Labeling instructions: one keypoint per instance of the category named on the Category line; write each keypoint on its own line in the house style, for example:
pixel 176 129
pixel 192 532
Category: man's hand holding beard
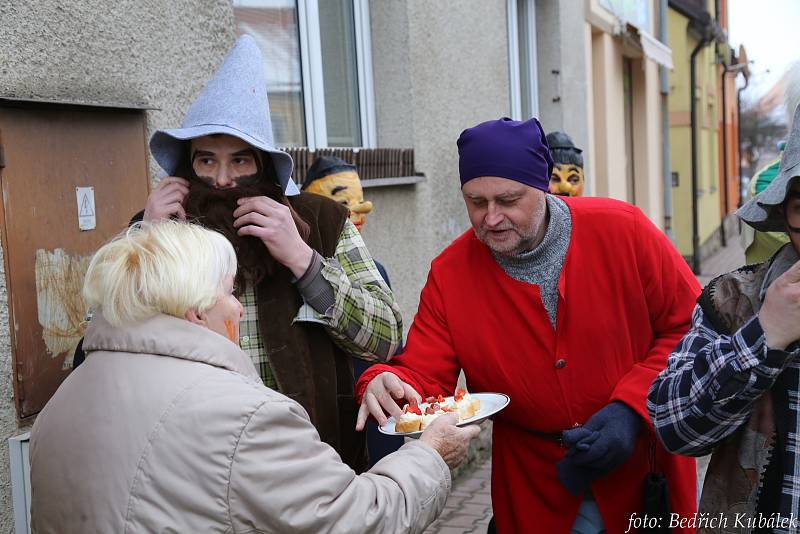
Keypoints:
pixel 272 223
pixel 167 199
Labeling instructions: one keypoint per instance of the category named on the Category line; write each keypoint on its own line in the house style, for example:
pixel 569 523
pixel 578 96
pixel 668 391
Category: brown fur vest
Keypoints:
pixel 307 365
pixel 736 472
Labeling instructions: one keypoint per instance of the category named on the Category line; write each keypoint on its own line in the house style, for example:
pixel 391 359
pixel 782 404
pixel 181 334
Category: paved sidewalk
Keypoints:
pixel 724 260
pixel 469 507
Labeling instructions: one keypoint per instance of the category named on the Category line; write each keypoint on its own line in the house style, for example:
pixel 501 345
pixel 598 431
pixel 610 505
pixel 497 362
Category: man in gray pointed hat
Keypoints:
pixel 732 385
pixel 312 296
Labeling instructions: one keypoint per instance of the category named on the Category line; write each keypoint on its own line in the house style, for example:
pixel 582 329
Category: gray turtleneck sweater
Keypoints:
pixel 542 265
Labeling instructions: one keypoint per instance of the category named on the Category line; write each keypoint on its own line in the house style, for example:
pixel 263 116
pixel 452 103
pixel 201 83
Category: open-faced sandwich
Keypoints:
pixel 417 417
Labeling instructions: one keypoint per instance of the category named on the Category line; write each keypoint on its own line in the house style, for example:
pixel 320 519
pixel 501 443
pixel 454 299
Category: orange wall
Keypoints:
pixel 732 142
pixel 731 130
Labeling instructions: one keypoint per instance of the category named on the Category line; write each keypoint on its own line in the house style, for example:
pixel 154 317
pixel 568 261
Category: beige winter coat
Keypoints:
pixel 166 427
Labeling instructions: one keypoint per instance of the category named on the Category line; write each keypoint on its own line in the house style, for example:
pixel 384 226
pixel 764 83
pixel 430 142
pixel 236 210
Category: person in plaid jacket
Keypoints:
pixel 730 387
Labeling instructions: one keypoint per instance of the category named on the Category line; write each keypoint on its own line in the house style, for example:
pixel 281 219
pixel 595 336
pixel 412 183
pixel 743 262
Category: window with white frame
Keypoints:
pixel 522 69
pixel 317 56
pixel 637 12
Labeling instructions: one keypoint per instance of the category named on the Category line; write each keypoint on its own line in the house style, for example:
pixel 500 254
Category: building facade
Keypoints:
pixel 368 77
pixel 703 126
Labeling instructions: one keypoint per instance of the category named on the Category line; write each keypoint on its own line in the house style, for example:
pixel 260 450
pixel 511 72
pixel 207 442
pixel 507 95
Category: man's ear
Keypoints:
pixel 197 318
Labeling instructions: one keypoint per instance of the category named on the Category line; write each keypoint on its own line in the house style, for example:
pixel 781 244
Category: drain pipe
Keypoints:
pixel 705 40
pixel 726 69
pixel 666 169
pixel 739 134
pixel 724 157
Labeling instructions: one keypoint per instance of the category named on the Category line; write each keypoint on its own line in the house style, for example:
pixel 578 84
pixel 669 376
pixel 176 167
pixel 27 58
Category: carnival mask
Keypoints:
pixel 344 187
pixel 567 180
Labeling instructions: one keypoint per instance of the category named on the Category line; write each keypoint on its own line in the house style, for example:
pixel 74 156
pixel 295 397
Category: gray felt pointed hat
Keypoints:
pixel 233 102
pixel 762 211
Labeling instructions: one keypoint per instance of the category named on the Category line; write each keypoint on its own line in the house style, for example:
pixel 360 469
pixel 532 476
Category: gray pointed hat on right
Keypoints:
pixel 233 102
pixel 763 212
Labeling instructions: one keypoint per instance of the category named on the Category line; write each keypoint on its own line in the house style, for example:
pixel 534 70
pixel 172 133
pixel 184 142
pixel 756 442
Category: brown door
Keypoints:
pixel 49 152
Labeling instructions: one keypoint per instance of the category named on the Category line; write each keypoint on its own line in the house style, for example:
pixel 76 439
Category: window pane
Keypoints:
pixel 637 12
pixel 340 72
pixel 273 24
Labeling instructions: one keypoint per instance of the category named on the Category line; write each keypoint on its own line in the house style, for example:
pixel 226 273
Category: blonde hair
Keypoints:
pixel 163 267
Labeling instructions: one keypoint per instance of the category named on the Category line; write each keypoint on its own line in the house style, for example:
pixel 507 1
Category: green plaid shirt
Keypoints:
pixel 364 321
pixel 250 338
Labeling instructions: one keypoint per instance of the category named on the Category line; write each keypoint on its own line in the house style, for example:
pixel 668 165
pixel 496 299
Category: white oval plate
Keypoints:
pixel 491 403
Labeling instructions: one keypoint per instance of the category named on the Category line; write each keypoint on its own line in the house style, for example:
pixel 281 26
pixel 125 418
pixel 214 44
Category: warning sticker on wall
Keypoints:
pixel 86 211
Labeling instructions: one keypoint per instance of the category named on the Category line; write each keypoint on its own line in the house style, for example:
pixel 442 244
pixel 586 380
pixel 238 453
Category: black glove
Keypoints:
pixel 610 441
pixel 602 444
pixel 575 478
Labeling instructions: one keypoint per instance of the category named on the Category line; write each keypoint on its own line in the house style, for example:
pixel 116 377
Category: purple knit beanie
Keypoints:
pixel 508 149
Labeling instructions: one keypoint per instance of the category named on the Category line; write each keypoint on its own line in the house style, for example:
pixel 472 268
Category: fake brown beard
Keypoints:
pixel 213 208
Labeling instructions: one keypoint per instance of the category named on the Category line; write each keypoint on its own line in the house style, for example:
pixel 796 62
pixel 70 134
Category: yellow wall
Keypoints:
pixel 679 75
pixel 679 150
pixel 708 200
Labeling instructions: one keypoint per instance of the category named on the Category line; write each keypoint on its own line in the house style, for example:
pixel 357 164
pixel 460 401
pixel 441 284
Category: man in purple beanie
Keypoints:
pixel 568 305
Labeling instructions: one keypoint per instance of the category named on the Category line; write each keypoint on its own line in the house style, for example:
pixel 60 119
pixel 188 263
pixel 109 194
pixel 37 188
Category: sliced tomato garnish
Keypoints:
pixel 413 409
pixel 412 406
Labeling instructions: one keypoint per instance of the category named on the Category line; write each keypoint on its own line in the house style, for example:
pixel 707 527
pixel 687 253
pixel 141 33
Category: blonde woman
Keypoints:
pixel 167 427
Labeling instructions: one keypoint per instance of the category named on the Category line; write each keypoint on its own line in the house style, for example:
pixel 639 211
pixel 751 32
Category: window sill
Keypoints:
pixel 376 166
pixel 393 181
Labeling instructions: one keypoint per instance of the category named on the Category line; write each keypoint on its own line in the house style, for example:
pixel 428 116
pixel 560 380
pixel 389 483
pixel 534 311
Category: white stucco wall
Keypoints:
pixel 564 94
pixel 130 53
pixel 435 75
pixel 8 414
